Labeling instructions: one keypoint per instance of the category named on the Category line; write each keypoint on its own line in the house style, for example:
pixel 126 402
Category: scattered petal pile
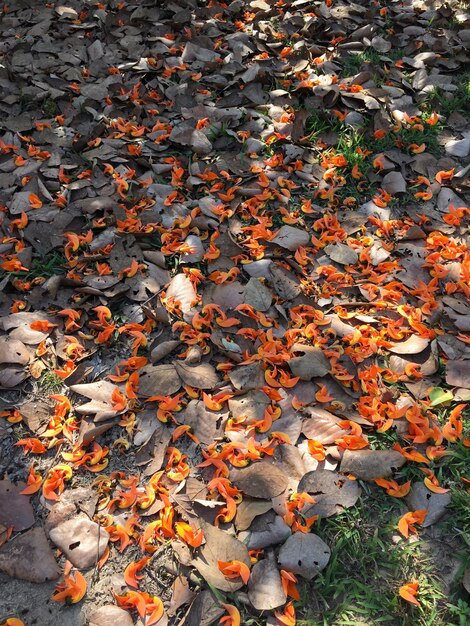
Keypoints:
pixel 235 276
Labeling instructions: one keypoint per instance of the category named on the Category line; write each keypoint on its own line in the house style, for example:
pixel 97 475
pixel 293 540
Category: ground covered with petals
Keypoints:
pixel 234 313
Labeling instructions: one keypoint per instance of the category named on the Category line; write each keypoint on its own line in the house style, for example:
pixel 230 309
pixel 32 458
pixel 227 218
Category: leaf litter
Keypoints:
pixel 240 232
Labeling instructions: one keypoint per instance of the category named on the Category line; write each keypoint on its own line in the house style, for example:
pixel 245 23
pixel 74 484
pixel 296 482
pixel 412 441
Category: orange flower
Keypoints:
pixel 189 535
pixel 316 449
pixel 432 482
pixel 393 488
pixel 32 445
pixel 42 325
pixel 54 485
pixel 148 607
pixel 233 617
pixel 234 569
pixel 444 175
pixel 407 521
pixel 118 400
pixel 72 590
pixel 287 618
pixel 34 482
pixel 288 584
pixel 12 621
pixel 322 395
pixel 131 577
pixel 409 591
pixel 34 201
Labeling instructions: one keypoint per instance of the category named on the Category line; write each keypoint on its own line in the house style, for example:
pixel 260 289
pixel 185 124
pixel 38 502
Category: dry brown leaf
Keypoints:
pixel 110 615
pixel 158 380
pixel 260 480
pixel 219 546
pixel 15 509
pixel 81 540
pixel 458 373
pixel 332 492
pixel 291 238
pixel 370 464
pixel 29 557
pixel 304 554
pixel 257 295
pixel 420 498
pixel 312 364
pixel 13 351
pixel 202 376
pixel 341 253
pixel 265 591
pixel 413 345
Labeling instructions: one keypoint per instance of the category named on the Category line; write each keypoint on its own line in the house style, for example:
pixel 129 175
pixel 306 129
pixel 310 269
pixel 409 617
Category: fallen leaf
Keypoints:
pixel 265 591
pixel 29 557
pixel 15 509
pixel 304 554
pixel 371 464
pixel 219 546
pixel 260 480
pixel 332 492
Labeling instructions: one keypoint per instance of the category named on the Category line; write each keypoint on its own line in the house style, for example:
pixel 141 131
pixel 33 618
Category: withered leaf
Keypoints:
pixel 29 557
pixel 291 238
pixel 413 345
pixel 341 253
pixel 332 492
pixel 421 498
pixel 219 546
pixel 248 509
pixel 257 295
pixel 260 480
pixel 202 376
pixel 312 364
pixel 158 380
pixel 370 464
pixel 458 373
pixel 13 351
pixel 265 591
pixel 15 509
pixel 284 282
pixel 304 554
pixel 82 541
pixel 321 425
pixel 110 615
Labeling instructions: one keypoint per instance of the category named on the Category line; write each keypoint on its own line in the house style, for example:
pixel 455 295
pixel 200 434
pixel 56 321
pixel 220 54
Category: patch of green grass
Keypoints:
pixel 446 103
pixel 352 64
pixel 49 107
pixel 44 266
pixel 50 382
pixel 360 584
